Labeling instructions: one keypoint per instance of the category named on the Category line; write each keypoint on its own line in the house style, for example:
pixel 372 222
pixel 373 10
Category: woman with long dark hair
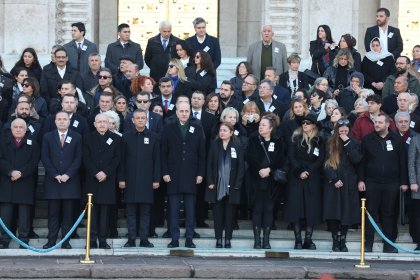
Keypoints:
pixel 341 196
pixel 201 75
pixel 31 88
pixel 306 154
pixel 20 74
pixel 29 61
pixel 243 69
pixel 264 155
pixel 225 173
pixel 184 53
pixel 321 49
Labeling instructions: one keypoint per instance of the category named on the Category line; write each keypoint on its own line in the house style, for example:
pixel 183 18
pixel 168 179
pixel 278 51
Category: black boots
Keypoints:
pixel 219 243
pixel 308 244
pixel 257 238
pixel 336 243
pixel 343 247
pixel 298 236
pixel 266 238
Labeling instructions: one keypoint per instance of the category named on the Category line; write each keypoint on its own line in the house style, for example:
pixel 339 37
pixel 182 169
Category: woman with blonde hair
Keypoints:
pixel 306 156
pixel 250 116
pixel 179 80
pixel 338 75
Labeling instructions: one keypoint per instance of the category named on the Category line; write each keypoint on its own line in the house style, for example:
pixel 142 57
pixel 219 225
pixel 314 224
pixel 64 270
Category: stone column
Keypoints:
pixel 108 19
pixel 228 27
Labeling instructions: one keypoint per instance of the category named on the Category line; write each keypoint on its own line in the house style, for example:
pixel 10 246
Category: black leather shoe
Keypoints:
pixel 146 244
pixel 219 243
pixel 173 244
pixel 66 245
pixel 4 245
pixel 93 245
pixel 189 243
pixel 308 245
pixel 153 234
pixel 75 235
pixel 196 234
pixel 389 249
pixel 167 234
pixel 48 245
pixel 32 235
pixel 104 245
pixel 298 245
pixel 227 243
pixel 368 247
pixel 130 244
pixel 202 225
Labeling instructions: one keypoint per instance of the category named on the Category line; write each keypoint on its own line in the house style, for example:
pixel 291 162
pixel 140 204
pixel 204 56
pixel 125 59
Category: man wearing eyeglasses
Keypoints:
pixel 160 49
pixel 92 95
pixel 402 64
pixel 154 120
pixel 266 102
pixel 249 89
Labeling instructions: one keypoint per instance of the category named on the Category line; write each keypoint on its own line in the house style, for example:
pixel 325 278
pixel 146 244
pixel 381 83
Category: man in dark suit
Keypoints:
pixel 79 48
pixel 101 157
pixel 266 101
pixel 19 158
pixel 390 37
pixel 106 103
pixel 154 120
pixel 166 97
pixel 203 41
pixel 61 156
pixel 159 50
pixel 69 105
pixel 51 77
pixel 67 87
pixel 228 96
pixel 123 46
pixel 183 167
pixel 140 175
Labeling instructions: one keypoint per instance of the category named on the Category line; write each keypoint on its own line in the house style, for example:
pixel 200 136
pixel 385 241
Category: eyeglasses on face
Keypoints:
pixel 171 66
pixel 103 77
pixel 142 101
pixel 197 56
pixel 26 85
pixel 307 122
pixel 250 84
pixel 343 122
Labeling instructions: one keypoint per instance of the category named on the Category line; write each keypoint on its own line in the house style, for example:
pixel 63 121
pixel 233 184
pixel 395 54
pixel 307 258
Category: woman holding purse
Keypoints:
pixel 225 173
pixel 264 156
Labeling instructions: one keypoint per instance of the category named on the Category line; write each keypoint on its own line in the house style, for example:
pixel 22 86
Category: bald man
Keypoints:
pixel 19 156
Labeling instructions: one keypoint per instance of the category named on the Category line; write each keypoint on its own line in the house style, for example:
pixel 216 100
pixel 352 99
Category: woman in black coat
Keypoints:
pixel 341 196
pixel 264 155
pixel 321 49
pixel 306 156
pixel 377 65
pixel 225 172
pixel 29 60
pixel 347 41
pixel 201 75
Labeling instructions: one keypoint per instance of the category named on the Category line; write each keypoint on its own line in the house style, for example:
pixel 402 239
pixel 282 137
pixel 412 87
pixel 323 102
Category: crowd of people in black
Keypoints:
pixel 312 142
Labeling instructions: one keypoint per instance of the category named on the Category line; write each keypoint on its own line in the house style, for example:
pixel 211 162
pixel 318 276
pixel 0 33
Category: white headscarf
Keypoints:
pixel 375 56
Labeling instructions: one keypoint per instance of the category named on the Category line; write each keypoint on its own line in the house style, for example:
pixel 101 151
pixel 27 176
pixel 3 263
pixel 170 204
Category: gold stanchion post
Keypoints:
pixel 362 263
pixel 87 259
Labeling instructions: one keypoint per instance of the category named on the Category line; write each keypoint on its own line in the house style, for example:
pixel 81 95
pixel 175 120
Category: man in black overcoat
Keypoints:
pixel 183 168
pixel 19 158
pixel 101 158
pixel 139 175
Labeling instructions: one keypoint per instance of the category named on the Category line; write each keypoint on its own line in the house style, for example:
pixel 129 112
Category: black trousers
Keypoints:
pixel 100 222
pixel 415 209
pixel 132 220
pixel 60 210
pixel 224 218
pixel 262 210
pixel 381 199
pixel 201 206
pixel 174 207
pixel 7 214
pixel 157 217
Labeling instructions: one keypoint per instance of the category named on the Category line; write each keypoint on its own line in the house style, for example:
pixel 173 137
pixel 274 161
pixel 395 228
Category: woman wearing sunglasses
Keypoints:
pixel 306 153
pixel 341 196
pixel 30 87
pixel 201 75
pixel 177 74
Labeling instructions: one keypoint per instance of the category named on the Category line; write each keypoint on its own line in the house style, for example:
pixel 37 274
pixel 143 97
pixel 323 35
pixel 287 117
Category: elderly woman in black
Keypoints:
pixel 225 172
pixel 264 155
pixel 306 156
pixel 341 196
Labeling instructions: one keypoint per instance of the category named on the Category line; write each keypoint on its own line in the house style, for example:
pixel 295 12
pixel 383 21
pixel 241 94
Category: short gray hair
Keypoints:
pixel 113 115
pixel 227 111
pixel 269 82
pixel 198 20
pixel 399 115
pixel 331 101
pixel 165 23
pixel 363 101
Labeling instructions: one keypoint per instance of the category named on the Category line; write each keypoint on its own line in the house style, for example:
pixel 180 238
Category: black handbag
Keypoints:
pixel 279 175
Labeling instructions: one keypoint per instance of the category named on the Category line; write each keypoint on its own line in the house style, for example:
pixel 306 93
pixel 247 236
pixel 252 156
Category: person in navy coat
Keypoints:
pixel 101 158
pixel 61 155
pixel 139 176
pixel 183 168
pixel 19 156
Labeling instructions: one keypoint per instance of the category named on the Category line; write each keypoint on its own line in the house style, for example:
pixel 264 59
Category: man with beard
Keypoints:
pixel 22 111
pixel 228 97
pixel 390 37
pixel 402 64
